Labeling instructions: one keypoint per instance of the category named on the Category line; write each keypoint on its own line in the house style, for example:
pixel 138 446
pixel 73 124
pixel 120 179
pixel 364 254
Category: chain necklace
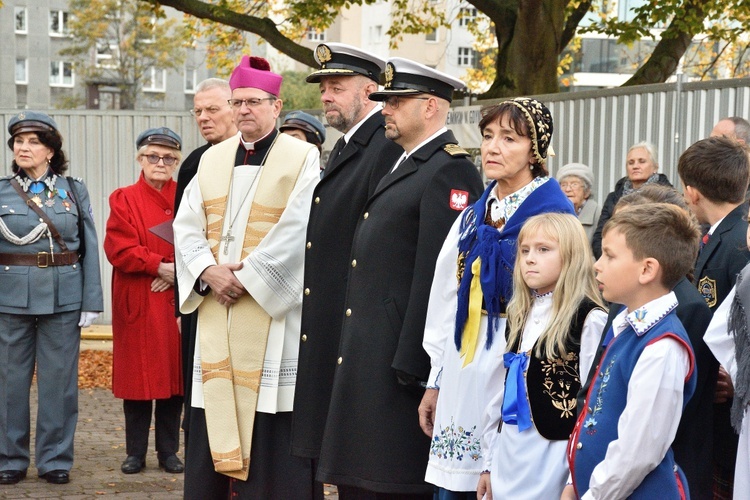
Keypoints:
pixel 227 237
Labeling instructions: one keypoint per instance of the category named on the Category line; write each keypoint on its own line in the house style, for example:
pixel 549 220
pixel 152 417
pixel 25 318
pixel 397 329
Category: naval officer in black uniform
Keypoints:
pixel 346 77
pixel 372 445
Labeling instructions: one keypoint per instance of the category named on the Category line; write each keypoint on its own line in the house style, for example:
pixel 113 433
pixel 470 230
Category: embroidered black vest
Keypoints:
pixel 552 385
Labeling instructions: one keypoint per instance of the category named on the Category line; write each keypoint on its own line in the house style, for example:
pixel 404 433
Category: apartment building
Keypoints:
pixel 34 31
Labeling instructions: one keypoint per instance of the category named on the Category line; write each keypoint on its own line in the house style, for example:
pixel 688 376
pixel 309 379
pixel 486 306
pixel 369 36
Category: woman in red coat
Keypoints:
pixel 147 359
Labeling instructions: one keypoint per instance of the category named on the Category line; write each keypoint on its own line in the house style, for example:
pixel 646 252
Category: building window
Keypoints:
pixel 61 74
pixel 22 71
pixel 432 36
pixel 314 35
pixel 467 57
pixel 107 54
pixel 155 80
pixel 467 16
pixel 21 25
pixel 190 81
pixel 376 34
pixel 58 23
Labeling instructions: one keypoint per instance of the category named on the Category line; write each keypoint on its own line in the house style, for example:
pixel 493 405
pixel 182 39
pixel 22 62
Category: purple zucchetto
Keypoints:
pixel 255 72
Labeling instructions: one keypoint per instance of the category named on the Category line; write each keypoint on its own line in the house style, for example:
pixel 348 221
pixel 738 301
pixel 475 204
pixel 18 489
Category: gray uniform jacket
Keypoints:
pixel 37 290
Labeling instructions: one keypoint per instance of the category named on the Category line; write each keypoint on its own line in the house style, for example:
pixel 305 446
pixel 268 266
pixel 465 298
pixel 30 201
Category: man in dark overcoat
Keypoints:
pixel 214 118
pixel 346 77
pixel 372 445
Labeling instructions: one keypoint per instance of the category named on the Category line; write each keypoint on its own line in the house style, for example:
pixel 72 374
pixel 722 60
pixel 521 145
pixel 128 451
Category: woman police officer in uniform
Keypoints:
pixel 48 291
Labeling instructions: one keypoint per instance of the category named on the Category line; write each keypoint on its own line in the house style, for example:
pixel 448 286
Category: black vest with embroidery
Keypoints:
pixel 552 385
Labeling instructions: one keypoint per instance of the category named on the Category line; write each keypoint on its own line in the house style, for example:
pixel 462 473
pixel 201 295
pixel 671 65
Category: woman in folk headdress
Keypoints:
pixel 464 333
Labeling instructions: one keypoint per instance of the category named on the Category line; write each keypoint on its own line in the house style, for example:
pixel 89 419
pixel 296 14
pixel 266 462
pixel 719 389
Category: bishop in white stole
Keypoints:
pixel 247 353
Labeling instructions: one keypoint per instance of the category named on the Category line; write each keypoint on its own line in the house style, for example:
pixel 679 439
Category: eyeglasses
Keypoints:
pixel 154 159
pixel 212 110
pixel 395 100
pixel 571 185
pixel 253 102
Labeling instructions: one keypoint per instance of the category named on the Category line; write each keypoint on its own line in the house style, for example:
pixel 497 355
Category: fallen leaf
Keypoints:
pixel 95 369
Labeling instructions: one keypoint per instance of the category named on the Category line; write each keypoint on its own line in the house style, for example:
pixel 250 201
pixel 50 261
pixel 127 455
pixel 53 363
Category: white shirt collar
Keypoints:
pixel 714 226
pixel 646 316
pixel 250 146
pixel 405 155
pixel 377 109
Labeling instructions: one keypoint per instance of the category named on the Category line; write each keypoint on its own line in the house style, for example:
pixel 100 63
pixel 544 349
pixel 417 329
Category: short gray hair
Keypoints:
pixel 213 83
pixel 650 148
pixel 741 128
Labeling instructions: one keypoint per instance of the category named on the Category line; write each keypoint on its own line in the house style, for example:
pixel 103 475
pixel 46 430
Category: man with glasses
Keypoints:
pixel 372 445
pixel 239 240
pixel 214 118
pixel 346 77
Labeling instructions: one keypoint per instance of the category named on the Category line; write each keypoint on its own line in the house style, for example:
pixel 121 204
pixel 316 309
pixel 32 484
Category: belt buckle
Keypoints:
pixel 39 259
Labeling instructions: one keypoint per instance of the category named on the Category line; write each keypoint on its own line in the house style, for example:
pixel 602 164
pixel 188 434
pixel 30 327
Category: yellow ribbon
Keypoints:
pixel 470 334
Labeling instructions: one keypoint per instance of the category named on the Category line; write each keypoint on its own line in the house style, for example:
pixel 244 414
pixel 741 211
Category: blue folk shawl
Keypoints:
pixel 498 251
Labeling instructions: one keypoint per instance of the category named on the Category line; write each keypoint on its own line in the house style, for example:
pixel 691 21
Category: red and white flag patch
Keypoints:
pixel 459 199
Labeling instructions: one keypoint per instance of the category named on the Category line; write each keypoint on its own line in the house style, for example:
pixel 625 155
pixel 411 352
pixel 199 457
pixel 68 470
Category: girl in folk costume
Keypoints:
pixel 472 285
pixel 555 320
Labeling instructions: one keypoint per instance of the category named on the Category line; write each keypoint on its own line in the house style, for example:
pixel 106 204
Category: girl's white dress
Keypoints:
pixel 524 464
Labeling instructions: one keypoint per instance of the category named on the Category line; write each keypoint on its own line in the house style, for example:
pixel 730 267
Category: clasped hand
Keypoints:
pixel 165 280
pixel 225 287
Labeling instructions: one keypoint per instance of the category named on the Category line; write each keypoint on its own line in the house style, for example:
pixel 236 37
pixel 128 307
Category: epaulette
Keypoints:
pixel 455 150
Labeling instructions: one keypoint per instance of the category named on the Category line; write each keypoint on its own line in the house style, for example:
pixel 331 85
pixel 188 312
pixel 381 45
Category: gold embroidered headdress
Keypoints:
pixel 539 121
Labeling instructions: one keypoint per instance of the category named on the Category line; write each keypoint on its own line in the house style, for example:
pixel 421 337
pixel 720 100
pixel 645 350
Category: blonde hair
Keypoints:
pixel 575 283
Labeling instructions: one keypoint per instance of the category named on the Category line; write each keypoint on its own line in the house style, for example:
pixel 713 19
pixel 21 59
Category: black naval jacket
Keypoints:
pixel 372 438
pixel 336 207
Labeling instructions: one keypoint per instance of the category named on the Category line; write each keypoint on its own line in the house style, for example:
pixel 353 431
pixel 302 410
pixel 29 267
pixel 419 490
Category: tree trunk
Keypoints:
pixel 528 49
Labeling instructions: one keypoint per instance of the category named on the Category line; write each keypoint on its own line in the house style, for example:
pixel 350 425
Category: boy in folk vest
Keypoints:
pixel 620 447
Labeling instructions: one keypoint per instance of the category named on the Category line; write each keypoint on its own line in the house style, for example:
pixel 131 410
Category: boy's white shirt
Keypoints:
pixel 649 422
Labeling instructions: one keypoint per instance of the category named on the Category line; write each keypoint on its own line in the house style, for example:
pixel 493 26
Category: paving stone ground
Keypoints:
pixel 99 451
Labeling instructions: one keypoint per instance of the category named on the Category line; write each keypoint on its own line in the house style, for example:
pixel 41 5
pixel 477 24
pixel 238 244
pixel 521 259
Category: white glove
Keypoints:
pixel 87 318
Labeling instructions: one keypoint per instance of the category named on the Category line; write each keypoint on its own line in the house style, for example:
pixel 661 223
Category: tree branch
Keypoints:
pixel 674 42
pixel 263 27
pixel 572 22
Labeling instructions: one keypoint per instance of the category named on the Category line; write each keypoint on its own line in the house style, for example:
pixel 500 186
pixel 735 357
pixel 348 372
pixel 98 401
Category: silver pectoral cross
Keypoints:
pixel 226 239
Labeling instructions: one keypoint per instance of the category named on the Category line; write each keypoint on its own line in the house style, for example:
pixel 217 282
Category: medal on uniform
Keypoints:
pixel 63 194
pixel 50 199
pixel 36 188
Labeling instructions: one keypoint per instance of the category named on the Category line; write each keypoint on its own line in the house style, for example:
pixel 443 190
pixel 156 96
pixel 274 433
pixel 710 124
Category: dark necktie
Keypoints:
pixel 336 150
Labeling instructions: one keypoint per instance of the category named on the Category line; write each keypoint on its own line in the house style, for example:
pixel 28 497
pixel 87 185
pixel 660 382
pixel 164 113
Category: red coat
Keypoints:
pixel 147 357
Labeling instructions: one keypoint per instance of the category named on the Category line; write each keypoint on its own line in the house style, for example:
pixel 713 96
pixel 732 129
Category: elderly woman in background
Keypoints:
pixel 304 127
pixel 576 181
pixel 642 169
pixel 146 349
pixel 50 288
